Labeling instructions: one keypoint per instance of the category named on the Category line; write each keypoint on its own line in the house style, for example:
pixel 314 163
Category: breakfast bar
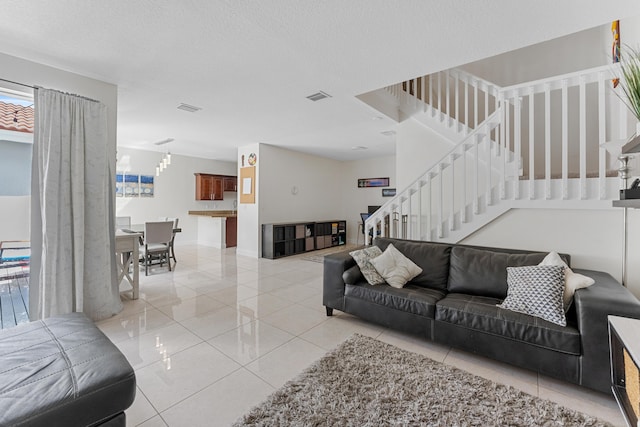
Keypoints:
pixel 217 228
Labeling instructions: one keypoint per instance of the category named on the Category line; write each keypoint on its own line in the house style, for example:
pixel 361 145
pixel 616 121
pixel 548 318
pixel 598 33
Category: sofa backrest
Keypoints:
pixel 432 258
pixel 483 271
pixel 475 270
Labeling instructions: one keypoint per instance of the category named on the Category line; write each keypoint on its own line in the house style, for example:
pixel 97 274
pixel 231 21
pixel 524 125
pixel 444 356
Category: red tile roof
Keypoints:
pixel 24 116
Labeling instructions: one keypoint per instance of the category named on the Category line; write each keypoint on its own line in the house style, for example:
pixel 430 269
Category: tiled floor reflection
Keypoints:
pixel 218 334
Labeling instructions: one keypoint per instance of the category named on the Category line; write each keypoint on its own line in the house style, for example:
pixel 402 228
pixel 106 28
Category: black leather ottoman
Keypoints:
pixel 63 371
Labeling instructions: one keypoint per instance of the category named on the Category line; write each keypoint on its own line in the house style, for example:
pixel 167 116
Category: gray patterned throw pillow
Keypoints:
pixel 363 257
pixel 537 291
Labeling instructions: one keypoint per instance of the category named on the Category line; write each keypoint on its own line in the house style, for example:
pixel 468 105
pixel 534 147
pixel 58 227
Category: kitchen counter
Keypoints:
pixel 215 214
pixel 217 228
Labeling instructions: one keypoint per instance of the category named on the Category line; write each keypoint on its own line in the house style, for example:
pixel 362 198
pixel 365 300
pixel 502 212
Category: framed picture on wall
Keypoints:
pixel 388 192
pixel 146 185
pixel 119 185
pixel 131 185
pixel 373 182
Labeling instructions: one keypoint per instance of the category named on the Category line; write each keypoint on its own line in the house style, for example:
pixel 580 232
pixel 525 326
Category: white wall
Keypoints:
pixel 355 200
pixel 579 51
pixel 586 49
pixel 249 229
pixel 174 192
pixel 317 180
pixel 14 217
pixel 417 149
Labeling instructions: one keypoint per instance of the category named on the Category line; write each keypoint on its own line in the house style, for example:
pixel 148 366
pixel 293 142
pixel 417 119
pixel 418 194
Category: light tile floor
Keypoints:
pixel 221 332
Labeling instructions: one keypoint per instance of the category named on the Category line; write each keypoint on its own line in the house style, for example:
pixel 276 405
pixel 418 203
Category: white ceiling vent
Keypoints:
pixel 164 141
pixel 189 108
pixel 318 96
pixel 388 132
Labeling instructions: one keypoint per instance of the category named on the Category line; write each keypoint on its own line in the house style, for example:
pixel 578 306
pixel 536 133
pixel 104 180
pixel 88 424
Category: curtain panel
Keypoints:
pixel 72 230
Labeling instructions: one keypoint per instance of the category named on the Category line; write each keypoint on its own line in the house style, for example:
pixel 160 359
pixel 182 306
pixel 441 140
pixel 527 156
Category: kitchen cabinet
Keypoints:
pixel 231 232
pixel 230 183
pixel 211 187
pixel 208 187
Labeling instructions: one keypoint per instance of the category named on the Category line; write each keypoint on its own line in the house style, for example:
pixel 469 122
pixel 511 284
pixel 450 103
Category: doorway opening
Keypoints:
pixel 16 144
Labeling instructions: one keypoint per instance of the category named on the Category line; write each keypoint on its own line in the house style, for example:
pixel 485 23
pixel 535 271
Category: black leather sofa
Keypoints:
pixel 453 302
pixel 63 371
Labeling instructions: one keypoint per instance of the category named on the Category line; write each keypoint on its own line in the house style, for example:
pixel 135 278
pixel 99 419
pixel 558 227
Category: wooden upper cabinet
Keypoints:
pixel 211 187
pixel 230 183
pixel 208 187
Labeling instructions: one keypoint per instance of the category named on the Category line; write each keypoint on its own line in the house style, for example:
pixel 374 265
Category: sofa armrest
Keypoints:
pixel 352 275
pixel 333 283
pixel 593 304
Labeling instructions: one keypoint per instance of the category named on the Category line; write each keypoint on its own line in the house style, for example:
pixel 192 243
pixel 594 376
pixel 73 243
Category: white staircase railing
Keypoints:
pixel 541 141
pixel 459 100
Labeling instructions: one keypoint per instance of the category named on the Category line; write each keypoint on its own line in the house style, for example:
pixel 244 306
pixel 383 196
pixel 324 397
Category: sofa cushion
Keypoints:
pixel 484 272
pixel 572 281
pixel 432 258
pixel 412 299
pixel 396 268
pixel 482 314
pixel 536 290
pixel 62 371
pixel 363 258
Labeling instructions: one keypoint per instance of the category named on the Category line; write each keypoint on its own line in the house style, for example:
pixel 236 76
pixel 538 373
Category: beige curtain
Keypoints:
pixel 72 231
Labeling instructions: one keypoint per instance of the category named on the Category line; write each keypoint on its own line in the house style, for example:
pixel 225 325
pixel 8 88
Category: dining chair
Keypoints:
pixel 157 240
pixel 123 222
pixel 173 237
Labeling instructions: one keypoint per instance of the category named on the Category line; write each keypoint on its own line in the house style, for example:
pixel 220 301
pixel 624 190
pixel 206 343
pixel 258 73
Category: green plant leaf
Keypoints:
pixel 630 82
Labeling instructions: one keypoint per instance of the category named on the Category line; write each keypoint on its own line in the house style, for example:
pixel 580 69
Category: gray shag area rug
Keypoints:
pixel 365 382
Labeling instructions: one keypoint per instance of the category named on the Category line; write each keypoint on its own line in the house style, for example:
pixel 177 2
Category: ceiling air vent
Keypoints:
pixel 388 132
pixel 188 108
pixel 318 96
pixel 164 141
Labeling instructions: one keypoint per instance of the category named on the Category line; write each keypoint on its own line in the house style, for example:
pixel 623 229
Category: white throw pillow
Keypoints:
pixel 363 258
pixel 572 281
pixel 396 268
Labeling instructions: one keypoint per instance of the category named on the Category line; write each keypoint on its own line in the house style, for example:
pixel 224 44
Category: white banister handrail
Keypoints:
pixel 474 80
pixel 591 75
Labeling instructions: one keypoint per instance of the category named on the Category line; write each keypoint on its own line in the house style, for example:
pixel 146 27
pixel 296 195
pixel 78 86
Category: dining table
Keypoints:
pixel 128 241
pixel 127 259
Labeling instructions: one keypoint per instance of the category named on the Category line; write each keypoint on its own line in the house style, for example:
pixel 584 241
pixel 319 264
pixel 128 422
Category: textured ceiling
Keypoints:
pixel 250 64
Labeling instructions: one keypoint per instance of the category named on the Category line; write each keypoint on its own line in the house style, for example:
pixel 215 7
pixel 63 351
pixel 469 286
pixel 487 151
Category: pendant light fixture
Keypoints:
pixel 166 159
